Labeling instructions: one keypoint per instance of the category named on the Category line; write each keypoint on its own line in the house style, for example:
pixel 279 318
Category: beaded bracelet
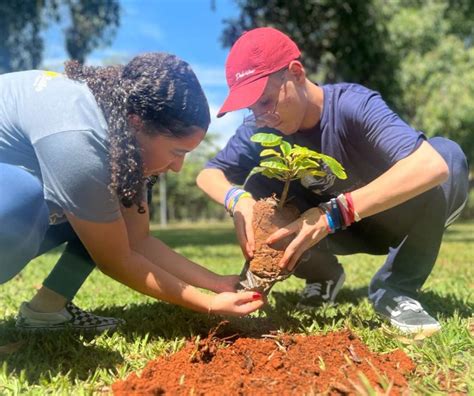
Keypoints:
pixel 339 212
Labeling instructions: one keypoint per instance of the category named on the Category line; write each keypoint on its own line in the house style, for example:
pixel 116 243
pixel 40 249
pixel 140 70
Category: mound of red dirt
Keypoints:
pixel 271 365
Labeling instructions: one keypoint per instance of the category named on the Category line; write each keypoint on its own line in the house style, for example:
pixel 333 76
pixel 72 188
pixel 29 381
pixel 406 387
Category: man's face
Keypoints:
pixel 283 103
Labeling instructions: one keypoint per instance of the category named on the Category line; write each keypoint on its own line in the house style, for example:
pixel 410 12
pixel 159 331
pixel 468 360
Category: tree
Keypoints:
pixel 339 39
pixel 436 73
pixel 92 23
pixel 184 200
pixel 417 53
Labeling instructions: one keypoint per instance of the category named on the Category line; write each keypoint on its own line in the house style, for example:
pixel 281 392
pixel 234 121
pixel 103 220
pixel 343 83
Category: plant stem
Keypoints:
pixel 284 194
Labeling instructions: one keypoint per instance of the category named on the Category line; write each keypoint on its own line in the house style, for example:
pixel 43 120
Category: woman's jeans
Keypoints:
pixel 26 234
pixel 409 233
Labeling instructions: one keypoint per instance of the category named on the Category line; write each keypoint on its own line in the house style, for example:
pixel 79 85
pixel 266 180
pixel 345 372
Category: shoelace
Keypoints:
pixel 404 304
pixel 313 289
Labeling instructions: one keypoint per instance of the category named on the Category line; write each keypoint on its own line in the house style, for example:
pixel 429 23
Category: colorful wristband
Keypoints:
pixel 241 195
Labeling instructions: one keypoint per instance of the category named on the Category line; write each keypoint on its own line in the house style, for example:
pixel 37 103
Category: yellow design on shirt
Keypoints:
pixel 42 80
pixel 51 73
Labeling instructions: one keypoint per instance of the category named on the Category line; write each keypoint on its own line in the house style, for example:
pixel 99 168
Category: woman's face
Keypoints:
pixel 163 153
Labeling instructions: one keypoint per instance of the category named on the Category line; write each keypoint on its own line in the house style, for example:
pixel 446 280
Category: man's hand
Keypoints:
pixel 243 216
pixel 310 228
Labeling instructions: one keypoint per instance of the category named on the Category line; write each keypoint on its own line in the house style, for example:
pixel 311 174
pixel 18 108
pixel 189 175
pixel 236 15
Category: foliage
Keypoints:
pixel 93 23
pixel 292 162
pixel 339 39
pixel 184 200
pixel 73 364
pixel 436 74
pixel 418 54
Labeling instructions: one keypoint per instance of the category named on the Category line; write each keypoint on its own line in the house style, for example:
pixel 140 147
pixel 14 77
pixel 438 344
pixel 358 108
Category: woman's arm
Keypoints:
pixel 109 246
pixel 161 255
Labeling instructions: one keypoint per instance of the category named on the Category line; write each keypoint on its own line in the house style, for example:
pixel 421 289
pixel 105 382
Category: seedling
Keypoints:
pixel 287 163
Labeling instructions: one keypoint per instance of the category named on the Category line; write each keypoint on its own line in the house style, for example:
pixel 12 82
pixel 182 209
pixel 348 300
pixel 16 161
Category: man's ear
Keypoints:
pixel 297 71
pixel 135 122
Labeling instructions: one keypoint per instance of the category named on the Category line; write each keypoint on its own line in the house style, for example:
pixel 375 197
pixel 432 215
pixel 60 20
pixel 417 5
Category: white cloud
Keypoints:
pixel 150 31
pixel 225 126
pixel 210 76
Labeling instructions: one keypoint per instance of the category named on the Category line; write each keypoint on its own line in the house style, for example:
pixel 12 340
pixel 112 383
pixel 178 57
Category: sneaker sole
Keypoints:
pixel 426 330
pixel 67 328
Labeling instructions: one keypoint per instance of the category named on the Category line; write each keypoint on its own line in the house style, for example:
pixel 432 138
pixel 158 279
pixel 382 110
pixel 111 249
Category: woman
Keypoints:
pixel 75 155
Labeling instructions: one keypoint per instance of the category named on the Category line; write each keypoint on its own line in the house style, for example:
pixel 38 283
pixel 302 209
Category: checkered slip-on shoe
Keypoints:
pixel 70 317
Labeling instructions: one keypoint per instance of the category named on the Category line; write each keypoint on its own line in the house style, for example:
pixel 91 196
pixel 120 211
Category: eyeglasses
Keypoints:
pixel 268 118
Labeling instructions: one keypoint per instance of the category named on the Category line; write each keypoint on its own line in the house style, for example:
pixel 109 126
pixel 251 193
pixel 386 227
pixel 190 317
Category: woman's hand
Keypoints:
pixel 226 283
pixel 236 304
pixel 243 216
pixel 310 228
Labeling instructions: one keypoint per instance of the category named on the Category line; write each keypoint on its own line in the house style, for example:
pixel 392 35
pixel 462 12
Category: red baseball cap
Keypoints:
pixel 254 56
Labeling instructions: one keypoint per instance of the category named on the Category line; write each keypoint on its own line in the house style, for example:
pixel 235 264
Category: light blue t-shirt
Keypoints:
pixel 52 127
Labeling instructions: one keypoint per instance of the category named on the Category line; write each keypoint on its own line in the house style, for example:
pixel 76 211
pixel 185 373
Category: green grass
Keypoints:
pixel 66 363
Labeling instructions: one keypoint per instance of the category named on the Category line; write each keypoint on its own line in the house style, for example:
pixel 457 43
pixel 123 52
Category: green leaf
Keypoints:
pixel 269 152
pixel 266 139
pixel 299 151
pixel 312 172
pixel 305 163
pixel 334 165
pixel 317 173
pixel 272 164
pixel 254 171
pixel 271 174
pixel 285 148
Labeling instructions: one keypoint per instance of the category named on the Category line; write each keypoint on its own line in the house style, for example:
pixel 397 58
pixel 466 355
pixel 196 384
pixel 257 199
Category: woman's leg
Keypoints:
pixel 74 265
pixel 23 219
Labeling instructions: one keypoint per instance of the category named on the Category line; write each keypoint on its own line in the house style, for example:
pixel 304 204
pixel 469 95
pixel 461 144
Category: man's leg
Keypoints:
pixel 394 288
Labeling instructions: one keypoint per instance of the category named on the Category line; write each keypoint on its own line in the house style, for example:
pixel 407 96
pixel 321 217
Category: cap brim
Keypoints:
pixel 243 96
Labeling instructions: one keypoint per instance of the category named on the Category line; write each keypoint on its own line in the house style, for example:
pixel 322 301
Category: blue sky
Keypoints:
pixel 187 28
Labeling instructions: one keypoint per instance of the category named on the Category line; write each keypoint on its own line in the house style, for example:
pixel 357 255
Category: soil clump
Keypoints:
pixel 337 363
pixel 261 273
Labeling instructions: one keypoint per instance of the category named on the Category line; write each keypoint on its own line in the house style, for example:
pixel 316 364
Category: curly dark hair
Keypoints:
pixel 163 91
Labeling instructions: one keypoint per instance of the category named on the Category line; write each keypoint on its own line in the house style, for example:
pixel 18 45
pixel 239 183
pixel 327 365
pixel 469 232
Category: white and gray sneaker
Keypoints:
pixel 70 317
pixel 408 316
pixel 324 291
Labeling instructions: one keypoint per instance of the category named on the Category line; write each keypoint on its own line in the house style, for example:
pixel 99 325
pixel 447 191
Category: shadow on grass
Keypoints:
pixel 55 353
pixel 446 305
pixel 77 356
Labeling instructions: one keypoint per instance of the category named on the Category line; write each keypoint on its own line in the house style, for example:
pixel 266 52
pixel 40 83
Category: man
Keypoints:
pixel 402 189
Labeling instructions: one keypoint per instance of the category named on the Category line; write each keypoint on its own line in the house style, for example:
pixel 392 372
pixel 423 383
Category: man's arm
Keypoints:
pixel 214 183
pixel 409 177
pixel 419 172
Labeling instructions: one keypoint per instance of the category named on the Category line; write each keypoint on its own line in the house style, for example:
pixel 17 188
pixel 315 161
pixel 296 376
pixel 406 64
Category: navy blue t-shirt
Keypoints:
pixel 356 127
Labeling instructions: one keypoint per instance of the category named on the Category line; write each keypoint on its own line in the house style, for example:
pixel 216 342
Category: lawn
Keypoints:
pixel 65 363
